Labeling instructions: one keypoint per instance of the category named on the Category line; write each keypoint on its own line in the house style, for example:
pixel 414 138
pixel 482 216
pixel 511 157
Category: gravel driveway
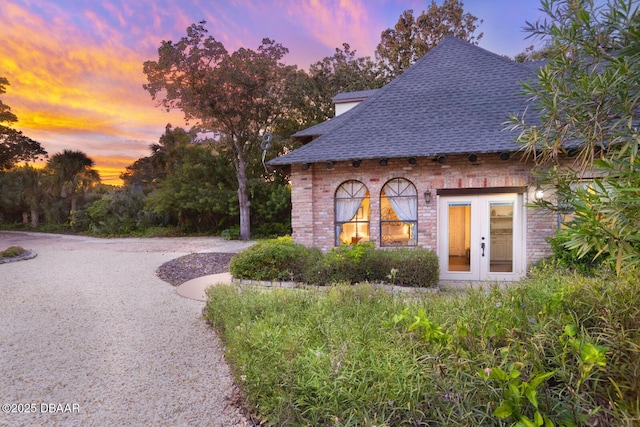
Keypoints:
pixel 89 335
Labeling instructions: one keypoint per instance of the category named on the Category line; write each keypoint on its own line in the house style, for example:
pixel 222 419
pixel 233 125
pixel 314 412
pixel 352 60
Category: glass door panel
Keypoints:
pixel 459 235
pixel 501 237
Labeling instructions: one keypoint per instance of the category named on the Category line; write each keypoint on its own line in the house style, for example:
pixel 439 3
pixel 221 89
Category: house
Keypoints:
pixel 426 161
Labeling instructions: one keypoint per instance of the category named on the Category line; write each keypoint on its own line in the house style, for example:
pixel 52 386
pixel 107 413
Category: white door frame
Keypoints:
pixel 479 268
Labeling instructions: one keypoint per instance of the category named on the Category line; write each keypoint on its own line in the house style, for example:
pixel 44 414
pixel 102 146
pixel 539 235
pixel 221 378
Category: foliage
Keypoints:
pixel 140 174
pixel 312 93
pixel 587 265
pixel 359 263
pixel 274 259
pixel 232 233
pixel 199 191
pixel 412 38
pixel 236 95
pixel 281 259
pixel 71 173
pixel 587 99
pixel 119 212
pixel 556 350
pixel 531 54
pixel 22 194
pixel 12 251
pixel 271 204
pixel 14 145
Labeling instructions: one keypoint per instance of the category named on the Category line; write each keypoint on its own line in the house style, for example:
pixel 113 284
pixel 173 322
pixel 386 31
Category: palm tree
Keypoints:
pixel 32 190
pixel 72 173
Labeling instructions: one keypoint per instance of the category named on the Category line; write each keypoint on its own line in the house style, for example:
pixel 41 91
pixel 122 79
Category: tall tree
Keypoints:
pixel 30 181
pixel 72 173
pixel 14 146
pixel 341 72
pixel 237 95
pixel 140 174
pixel 411 37
pixel 167 152
pixel 588 99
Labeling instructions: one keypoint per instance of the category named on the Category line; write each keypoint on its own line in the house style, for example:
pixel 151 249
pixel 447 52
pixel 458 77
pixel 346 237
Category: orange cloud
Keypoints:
pixel 71 89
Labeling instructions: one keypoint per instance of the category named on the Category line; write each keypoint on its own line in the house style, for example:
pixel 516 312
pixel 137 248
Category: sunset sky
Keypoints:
pixel 75 66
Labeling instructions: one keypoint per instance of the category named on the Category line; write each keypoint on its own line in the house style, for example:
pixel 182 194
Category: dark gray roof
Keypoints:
pixel 454 100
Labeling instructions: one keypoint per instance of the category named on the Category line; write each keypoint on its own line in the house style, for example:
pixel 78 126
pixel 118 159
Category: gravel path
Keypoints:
pixel 89 335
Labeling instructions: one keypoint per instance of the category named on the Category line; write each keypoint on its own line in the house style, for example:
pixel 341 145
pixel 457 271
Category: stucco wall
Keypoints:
pixel 313 193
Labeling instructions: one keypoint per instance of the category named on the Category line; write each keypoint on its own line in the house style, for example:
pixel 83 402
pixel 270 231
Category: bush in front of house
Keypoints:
pixel 281 259
pixel 588 264
pixel 274 259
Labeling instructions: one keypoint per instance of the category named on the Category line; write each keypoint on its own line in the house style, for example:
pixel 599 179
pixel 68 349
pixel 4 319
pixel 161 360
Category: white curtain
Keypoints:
pixel 349 197
pixel 403 197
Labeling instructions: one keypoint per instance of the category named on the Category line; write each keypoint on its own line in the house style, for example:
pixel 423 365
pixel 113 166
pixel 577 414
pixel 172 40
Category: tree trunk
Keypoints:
pixel 35 219
pixel 243 196
pixel 73 208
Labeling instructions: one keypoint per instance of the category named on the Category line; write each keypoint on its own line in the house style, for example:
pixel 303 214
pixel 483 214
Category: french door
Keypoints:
pixel 481 237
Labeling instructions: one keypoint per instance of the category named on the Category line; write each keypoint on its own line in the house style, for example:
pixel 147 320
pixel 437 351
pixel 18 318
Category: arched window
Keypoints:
pixel 398 213
pixel 352 213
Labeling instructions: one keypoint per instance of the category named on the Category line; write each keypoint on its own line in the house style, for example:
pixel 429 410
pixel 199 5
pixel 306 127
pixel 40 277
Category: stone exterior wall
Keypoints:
pixel 313 192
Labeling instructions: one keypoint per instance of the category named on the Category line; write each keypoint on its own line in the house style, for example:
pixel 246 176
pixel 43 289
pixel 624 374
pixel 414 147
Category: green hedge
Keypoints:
pixel 274 259
pixel 281 259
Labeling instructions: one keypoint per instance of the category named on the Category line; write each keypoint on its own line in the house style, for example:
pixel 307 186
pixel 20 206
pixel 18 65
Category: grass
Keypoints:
pixel 556 349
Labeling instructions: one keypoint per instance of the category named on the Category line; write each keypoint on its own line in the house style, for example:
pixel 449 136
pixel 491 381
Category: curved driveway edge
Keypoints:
pixel 89 335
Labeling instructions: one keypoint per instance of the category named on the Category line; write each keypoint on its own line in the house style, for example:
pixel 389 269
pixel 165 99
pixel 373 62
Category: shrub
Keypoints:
pixel 411 267
pixel 274 259
pixel 12 251
pixel 568 258
pixel 345 263
pixel 231 233
pixel 280 259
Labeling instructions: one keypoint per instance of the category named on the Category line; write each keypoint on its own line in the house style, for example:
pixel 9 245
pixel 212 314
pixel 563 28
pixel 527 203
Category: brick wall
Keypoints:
pixel 313 193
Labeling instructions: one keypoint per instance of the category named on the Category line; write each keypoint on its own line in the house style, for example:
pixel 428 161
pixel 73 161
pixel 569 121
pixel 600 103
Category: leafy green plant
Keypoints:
pixel 274 259
pixel 586 103
pixel 232 233
pixel 518 395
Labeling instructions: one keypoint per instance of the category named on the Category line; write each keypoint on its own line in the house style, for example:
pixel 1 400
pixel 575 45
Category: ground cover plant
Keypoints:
pixel 557 349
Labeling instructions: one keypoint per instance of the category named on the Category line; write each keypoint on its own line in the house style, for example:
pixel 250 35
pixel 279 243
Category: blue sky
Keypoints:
pixel 75 66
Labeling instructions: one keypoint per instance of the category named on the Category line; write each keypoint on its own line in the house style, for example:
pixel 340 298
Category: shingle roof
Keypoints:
pixel 454 100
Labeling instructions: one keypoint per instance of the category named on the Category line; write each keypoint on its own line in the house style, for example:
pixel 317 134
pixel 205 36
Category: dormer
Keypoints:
pixel 347 100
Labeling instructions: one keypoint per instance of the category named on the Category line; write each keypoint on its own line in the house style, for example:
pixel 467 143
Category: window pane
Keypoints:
pixel 459 237
pixel 351 213
pixel 501 237
pixel 398 213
